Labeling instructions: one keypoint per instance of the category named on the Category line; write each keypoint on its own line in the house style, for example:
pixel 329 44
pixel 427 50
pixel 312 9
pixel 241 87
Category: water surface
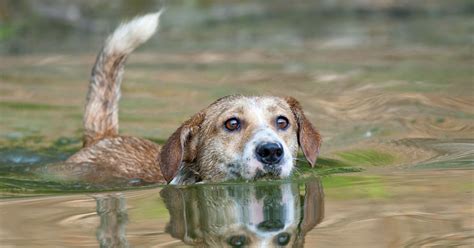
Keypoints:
pixel 408 209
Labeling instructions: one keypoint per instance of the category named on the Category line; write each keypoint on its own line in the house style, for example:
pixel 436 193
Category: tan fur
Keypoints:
pixel 178 148
pixel 215 148
pixel 101 112
pixel 308 137
pixel 200 149
pixel 121 157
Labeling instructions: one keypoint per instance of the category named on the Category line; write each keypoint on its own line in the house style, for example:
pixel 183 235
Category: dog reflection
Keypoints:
pixel 112 211
pixel 251 215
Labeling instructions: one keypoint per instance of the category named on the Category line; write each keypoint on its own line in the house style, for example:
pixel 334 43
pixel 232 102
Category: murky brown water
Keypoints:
pixel 392 95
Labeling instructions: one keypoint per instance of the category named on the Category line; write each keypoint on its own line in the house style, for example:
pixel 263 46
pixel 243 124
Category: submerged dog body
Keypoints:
pixel 245 137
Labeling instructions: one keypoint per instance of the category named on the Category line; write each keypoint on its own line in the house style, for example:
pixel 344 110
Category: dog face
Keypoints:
pixel 244 215
pixel 240 137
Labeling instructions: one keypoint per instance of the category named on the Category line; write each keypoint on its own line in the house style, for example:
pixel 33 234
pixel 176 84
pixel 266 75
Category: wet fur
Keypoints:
pixel 198 150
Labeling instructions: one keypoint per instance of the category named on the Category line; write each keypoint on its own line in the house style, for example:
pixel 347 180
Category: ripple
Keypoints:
pixel 374 105
pixel 439 127
pixel 461 239
pixel 422 115
pixel 455 153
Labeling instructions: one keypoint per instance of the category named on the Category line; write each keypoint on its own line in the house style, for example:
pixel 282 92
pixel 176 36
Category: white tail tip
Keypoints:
pixel 132 34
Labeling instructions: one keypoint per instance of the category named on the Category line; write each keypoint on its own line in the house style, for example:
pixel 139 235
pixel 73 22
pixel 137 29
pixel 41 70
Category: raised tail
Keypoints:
pixel 101 112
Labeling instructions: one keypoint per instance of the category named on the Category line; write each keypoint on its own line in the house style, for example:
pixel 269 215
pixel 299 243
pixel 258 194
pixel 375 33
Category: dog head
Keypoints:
pixel 244 215
pixel 240 137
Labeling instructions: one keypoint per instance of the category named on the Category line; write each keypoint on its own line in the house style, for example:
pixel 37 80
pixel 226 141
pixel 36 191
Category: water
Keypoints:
pixel 389 87
pixel 407 209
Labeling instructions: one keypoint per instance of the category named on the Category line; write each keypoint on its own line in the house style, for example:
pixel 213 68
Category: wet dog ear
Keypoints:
pixel 309 138
pixel 176 147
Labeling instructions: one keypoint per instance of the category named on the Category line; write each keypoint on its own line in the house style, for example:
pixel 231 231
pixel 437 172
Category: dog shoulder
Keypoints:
pixel 122 157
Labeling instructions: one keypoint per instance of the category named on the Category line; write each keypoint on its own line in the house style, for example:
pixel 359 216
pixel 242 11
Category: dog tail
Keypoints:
pixel 101 111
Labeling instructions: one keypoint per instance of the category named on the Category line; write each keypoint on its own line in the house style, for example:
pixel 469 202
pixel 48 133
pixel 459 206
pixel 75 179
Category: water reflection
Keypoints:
pixel 244 215
pixel 112 210
pixel 412 208
pixel 265 214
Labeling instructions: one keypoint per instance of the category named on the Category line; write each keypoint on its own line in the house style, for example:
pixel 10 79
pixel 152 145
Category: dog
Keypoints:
pixel 248 215
pixel 246 137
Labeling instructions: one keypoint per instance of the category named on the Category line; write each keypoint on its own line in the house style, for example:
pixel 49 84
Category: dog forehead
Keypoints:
pixel 249 105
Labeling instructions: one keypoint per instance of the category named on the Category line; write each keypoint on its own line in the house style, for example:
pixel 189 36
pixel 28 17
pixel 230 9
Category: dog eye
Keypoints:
pixel 283 239
pixel 237 241
pixel 232 124
pixel 282 122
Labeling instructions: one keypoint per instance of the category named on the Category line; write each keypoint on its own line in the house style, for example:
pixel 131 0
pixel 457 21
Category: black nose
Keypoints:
pixel 269 153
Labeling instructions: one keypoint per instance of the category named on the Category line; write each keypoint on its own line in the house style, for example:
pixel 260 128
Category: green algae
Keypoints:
pixel 367 157
pixel 355 187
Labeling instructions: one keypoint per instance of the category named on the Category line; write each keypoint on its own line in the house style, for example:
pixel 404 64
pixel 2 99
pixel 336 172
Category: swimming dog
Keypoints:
pixel 248 137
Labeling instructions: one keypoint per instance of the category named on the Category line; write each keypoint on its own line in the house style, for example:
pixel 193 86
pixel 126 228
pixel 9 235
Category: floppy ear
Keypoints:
pixel 173 152
pixel 309 138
